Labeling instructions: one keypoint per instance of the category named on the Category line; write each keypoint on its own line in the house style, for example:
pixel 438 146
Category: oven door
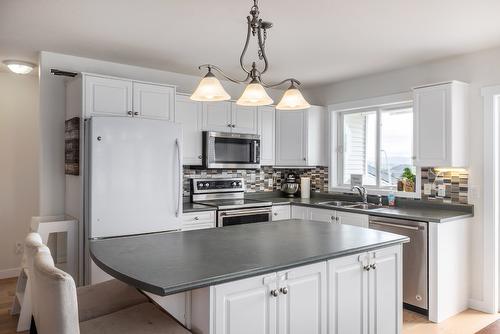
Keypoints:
pixel 231 150
pixel 243 216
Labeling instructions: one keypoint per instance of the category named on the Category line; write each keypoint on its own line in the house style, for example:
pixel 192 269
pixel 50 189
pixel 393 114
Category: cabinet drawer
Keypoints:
pixel 201 217
pixel 281 212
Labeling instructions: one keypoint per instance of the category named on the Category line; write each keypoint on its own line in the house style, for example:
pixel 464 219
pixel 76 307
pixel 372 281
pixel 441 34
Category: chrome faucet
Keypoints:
pixel 362 193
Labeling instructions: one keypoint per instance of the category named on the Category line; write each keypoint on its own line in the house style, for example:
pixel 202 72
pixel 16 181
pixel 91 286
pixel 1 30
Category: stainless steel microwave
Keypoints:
pixel 231 150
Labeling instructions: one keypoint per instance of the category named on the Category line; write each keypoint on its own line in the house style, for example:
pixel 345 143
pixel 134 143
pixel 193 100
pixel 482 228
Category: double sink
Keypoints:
pixel 351 205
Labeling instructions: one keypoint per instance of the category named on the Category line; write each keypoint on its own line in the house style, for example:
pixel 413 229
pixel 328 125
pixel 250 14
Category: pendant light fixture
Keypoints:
pixel 210 88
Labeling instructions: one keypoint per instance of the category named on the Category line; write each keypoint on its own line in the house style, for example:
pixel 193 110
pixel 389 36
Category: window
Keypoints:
pixel 377 143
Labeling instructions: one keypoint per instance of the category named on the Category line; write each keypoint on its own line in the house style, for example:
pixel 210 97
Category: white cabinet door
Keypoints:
pixel 198 220
pixel 281 212
pixel 107 96
pixel 217 116
pixel 267 134
pixel 244 119
pixel 302 301
pixel 291 138
pixel 300 212
pixel 350 218
pixel 322 215
pixel 154 101
pixel 431 113
pixel 385 291
pixel 246 306
pixel 347 296
pixel 189 114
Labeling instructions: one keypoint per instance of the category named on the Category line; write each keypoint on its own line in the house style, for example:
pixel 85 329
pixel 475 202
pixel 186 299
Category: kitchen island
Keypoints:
pixel 293 276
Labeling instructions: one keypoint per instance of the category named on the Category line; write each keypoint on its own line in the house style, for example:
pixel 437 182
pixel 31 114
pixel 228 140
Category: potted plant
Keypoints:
pixel 408 180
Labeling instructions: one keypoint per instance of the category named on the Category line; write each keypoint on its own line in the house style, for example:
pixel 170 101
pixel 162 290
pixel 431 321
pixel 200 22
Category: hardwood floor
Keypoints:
pixel 8 323
pixel 468 322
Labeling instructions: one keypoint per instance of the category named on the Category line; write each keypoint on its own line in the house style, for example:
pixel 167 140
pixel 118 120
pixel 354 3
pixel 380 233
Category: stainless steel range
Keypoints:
pixel 228 196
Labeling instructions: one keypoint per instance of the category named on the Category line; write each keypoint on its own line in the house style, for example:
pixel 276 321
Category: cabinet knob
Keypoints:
pixel 284 290
pixel 199 157
pixel 304 159
pixel 136 113
pixel 275 213
pixel 196 218
pixel 229 125
pixel 233 126
pixel 129 113
pixel 373 266
pixel 274 293
pixel 367 268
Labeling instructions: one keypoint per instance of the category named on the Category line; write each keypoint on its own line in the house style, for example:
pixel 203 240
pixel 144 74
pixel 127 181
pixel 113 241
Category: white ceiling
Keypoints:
pixel 316 41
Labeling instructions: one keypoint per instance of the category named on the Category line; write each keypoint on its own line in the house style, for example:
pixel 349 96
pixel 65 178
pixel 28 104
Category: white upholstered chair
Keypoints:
pixel 93 300
pixel 56 308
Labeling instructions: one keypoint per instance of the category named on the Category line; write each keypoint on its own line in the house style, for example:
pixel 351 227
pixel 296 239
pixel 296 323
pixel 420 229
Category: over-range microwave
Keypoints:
pixel 231 150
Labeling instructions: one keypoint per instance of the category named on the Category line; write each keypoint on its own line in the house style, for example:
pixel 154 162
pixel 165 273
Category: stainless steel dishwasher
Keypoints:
pixel 415 259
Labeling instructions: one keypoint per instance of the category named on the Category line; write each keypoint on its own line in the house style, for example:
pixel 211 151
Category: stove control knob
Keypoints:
pixel 207 184
pixel 233 184
pixel 239 184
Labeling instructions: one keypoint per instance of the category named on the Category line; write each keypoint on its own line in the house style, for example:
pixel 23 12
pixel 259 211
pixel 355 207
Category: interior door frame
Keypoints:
pixel 491 200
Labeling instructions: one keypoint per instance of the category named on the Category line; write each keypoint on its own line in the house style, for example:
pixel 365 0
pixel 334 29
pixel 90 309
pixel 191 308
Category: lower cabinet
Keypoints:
pixel 292 302
pixel 281 212
pixel 198 220
pixel 350 218
pixel 365 293
pixel 330 216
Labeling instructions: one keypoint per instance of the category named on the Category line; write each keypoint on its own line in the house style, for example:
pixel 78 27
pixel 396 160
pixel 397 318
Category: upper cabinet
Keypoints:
pixel 189 114
pixel 109 96
pixel 440 125
pixel 229 117
pixel 267 134
pixel 154 101
pixel 301 137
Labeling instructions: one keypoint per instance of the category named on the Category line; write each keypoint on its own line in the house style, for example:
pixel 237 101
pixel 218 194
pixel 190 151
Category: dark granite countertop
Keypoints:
pixel 406 209
pixel 194 207
pixel 167 263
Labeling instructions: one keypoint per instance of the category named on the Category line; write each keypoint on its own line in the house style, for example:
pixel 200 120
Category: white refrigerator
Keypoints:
pixel 134 179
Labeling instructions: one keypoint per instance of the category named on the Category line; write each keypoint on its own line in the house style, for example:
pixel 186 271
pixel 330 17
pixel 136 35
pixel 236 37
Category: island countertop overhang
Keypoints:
pixel 168 263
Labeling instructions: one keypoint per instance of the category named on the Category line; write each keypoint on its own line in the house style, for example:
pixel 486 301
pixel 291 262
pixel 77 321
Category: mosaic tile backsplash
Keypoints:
pixel 264 179
pixel 456 183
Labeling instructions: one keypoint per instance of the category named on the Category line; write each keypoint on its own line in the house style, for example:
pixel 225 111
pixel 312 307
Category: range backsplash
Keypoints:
pixel 456 182
pixel 264 179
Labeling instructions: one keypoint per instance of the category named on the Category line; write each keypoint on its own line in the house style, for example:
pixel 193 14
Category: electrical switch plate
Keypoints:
pixel 442 190
pixel 270 182
pixel 427 189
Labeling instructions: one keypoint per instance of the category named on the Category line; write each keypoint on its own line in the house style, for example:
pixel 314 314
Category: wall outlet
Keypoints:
pixel 19 247
pixel 270 183
pixel 427 188
pixel 441 190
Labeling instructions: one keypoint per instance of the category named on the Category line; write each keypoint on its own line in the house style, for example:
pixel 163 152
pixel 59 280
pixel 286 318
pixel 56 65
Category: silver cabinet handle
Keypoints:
pixel 284 290
pixel 199 157
pixel 274 293
pixel 233 126
pixel 229 125
pixel 373 266
pixel 136 113
pixel 196 218
pixel 129 113
pixel 367 268
pixel 179 188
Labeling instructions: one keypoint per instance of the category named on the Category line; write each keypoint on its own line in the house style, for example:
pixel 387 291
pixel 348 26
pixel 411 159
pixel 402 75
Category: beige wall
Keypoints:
pixel 18 163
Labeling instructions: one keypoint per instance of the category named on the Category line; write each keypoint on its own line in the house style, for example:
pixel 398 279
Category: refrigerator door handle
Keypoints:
pixel 179 165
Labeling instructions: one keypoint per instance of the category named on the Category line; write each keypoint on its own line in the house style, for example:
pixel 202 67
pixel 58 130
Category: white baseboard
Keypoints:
pixel 480 305
pixel 8 273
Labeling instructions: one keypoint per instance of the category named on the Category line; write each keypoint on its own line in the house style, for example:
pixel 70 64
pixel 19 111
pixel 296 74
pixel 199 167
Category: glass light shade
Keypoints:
pixel 292 100
pixel 254 95
pixel 210 89
pixel 19 67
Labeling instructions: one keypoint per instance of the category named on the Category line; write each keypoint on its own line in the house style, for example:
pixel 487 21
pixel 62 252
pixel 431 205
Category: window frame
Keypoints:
pixel 337 153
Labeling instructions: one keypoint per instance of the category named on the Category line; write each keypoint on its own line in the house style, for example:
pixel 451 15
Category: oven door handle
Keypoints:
pixel 244 213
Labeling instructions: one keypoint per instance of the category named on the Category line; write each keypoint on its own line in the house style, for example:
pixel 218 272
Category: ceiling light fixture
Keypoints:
pixel 210 88
pixel 19 67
